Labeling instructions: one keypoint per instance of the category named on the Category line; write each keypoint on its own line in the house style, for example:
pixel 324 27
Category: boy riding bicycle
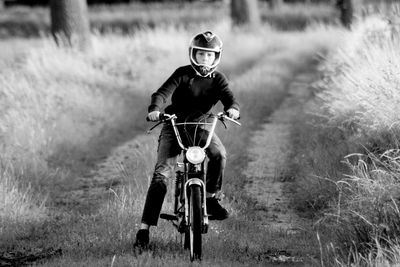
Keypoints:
pixel 194 89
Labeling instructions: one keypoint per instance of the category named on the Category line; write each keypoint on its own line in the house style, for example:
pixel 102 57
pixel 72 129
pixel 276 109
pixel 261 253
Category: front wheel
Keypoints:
pixel 193 235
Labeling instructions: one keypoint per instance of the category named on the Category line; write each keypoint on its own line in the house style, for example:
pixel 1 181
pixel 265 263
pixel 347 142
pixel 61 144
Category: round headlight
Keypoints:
pixel 195 155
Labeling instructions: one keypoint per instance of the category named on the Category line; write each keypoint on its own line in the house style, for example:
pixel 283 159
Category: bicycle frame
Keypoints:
pixel 197 181
pixel 193 175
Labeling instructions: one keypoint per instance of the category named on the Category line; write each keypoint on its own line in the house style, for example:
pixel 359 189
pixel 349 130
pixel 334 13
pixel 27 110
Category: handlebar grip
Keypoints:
pixel 226 114
pixel 163 117
pixel 160 117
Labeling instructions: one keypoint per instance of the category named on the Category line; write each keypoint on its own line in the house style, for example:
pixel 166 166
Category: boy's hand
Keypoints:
pixel 233 113
pixel 153 116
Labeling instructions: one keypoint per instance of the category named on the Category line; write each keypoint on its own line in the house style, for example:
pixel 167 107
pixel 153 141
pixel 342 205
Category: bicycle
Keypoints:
pixel 190 216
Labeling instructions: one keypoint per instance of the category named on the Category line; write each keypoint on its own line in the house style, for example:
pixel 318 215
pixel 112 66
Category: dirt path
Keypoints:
pixel 91 190
pixel 267 172
pixel 267 175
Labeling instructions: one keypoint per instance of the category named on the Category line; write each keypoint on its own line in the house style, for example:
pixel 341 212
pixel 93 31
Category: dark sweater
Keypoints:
pixel 192 94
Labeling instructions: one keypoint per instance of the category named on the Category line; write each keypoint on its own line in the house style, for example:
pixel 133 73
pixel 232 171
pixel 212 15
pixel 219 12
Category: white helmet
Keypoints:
pixel 206 41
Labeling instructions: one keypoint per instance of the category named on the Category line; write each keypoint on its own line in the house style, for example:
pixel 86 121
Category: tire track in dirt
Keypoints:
pixel 267 171
pixel 93 190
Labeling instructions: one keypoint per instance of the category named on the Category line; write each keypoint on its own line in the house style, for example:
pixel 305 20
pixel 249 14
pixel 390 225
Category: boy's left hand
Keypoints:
pixel 233 113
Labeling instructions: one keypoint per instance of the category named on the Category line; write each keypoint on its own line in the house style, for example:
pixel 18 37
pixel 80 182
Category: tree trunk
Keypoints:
pixel 346 12
pixel 70 23
pixel 245 12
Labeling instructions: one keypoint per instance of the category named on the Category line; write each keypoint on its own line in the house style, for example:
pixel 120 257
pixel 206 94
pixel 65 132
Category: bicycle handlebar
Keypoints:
pixel 164 117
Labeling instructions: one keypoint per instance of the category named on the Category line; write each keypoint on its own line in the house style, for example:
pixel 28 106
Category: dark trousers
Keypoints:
pixel 167 154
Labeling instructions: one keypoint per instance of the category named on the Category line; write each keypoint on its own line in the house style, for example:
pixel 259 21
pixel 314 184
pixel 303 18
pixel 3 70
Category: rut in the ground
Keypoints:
pixel 270 148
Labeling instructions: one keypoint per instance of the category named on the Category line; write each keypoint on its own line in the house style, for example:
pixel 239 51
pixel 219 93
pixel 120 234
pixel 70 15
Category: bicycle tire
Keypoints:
pixel 195 217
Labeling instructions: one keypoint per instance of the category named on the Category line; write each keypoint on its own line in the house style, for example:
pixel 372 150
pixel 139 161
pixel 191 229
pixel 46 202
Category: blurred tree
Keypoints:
pixel 245 12
pixel 275 3
pixel 346 12
pixel 70 23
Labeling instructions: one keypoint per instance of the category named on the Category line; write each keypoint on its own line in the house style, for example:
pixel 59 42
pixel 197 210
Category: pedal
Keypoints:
pixel 169 217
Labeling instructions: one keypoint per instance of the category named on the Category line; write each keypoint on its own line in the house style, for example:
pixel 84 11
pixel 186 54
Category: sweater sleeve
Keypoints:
pixel 160 97
pixel 226 95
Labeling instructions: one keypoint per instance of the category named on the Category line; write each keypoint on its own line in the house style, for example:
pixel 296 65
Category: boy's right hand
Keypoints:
pixel 153 116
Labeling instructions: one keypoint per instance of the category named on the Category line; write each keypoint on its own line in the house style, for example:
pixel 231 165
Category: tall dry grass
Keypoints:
pixel 57 102
pixel 362 81
pixel 367 211
pixel 356 115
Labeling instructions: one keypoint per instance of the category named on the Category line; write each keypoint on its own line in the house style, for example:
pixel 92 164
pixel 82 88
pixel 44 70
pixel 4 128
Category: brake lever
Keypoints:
pixel 232 120
pixel 154 126
pixel 164 117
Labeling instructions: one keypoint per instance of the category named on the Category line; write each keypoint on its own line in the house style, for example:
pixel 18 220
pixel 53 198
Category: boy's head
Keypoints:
pixel 205 52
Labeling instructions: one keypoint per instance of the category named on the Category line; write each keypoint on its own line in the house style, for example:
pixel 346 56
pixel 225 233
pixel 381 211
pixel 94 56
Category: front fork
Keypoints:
pixel 188 184
pixel 181 196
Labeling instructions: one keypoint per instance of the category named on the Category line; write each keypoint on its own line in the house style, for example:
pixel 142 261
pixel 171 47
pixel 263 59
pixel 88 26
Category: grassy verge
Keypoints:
pixel 46 137
pixel 350 148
